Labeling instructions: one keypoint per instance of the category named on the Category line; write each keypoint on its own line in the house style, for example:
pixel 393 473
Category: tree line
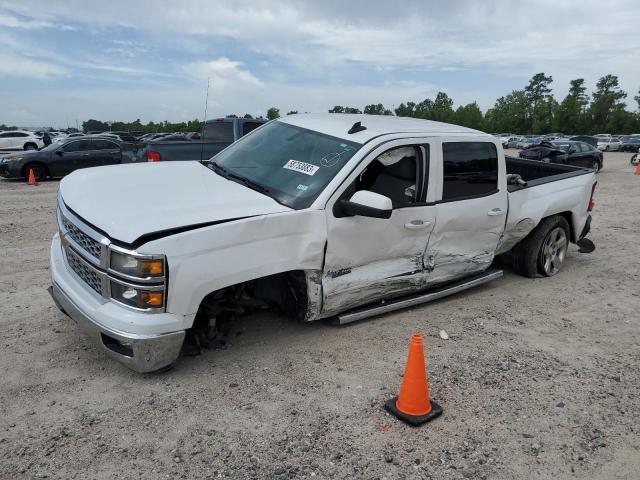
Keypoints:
pixel 530 110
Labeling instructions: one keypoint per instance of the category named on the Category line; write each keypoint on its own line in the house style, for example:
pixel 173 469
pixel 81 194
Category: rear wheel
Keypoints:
pixel 596 165
pixel 543 251
pixel 30 146
pixel 38 171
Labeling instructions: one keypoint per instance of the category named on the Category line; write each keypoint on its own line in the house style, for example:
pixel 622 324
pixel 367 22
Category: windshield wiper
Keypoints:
pixel 237 178
pixel 248 183
pixel 218 169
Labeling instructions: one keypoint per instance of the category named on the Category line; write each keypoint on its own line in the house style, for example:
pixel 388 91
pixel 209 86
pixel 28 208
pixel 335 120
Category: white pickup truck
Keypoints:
pixel 317 216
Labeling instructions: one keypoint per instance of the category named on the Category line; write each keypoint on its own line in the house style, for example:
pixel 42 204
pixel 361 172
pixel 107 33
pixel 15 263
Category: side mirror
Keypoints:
pixel 368 204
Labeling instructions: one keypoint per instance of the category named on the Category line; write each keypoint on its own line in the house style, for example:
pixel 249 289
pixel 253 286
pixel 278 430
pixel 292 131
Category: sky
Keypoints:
pixel 65 62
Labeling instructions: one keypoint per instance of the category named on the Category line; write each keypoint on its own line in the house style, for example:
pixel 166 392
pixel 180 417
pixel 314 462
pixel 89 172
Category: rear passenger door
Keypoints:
pixel 107 152
pixel 471 210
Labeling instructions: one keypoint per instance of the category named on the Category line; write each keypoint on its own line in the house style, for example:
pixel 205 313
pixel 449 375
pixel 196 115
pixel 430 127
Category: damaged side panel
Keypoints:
pixel 371 258
pixel 465 238
pixel 238 252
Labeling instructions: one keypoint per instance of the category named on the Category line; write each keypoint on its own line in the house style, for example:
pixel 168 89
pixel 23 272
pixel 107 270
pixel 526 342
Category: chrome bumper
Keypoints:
pixel 142 353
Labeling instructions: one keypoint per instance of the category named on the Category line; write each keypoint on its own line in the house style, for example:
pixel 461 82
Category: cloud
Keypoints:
pixel 222 72
pixel 30 24
pixel 15 66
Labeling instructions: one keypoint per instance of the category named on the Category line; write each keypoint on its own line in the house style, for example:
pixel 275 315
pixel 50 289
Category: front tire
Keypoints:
pixel 543 251
pixel 39 171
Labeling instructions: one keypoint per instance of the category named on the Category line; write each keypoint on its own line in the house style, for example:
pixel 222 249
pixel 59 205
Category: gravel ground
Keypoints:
pixel 539 378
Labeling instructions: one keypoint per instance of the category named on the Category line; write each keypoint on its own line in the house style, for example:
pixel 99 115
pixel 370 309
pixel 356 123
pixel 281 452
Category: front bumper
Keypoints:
pixel 143 351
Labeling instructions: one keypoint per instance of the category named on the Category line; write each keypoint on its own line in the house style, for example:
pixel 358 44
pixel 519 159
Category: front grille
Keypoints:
pixel 87 243
pixel 86 273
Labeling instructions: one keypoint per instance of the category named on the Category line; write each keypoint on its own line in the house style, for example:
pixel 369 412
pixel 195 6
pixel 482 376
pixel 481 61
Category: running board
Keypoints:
pixel 397 304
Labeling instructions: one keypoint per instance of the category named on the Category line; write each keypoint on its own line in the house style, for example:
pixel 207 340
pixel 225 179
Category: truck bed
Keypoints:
pixel 537 173
pixel 551 189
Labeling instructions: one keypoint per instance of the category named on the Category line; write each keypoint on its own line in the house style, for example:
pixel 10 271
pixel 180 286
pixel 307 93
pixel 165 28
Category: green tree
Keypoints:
pixel 541 103
pixel 571 115
pixel 376 109
pixel 606 106
pixel 341 109
pixel 408 110
pixel 442 110
pixel 273 113
pixel 469 116
pixel 247 115
pixel 509 114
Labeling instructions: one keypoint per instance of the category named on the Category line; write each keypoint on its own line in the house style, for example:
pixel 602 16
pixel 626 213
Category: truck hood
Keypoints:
pixel 129 201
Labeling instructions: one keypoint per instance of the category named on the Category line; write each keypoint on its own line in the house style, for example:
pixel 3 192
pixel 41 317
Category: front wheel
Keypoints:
pixel 38 171
pixel 543 251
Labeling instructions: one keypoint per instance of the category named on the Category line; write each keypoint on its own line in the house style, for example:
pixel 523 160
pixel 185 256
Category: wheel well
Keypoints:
pixel 29 143
pixel 567 217
pixel 25 169
pixel 285 293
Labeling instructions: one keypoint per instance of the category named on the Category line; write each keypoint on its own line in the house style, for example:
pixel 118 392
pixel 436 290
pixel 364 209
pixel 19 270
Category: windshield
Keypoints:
pixel 51 147
pixel 290 164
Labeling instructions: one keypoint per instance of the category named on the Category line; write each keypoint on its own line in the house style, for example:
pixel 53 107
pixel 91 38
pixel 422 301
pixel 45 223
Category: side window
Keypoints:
pixel 470 169
pixel 105 145
pixel 249 126
pixel 585 147
pixel 78 146
pixel 395 174
pixel 5 135
pixel 21 134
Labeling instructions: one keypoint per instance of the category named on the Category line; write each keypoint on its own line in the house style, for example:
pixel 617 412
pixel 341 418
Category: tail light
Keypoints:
pixel 591 201
pixel 153 156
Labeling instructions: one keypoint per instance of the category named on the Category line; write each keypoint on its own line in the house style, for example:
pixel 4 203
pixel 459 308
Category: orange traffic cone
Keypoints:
pixel 413 404
pixel 637 168
pixel 32 178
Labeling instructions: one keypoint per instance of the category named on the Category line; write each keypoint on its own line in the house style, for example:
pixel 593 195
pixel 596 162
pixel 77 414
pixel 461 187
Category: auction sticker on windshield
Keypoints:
pixel 302 167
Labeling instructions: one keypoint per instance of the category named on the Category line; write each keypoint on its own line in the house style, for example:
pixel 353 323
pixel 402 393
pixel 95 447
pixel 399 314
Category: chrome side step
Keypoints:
pixel 397 304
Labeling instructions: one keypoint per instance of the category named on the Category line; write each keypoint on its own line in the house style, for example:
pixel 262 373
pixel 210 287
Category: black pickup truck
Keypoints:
pixel 217 135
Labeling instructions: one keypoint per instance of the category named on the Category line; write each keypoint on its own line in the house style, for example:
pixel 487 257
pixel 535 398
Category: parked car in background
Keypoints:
pixel 61 139
pixel 593 141
pixel 60 159
pixel 527 142
pixel 218 134
pixel 631 144
pixel 20 140
pixel 608 144
pixel 512 142
pixel 579 154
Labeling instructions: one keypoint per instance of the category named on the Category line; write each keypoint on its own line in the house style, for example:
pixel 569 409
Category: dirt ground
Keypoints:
pixel 539 378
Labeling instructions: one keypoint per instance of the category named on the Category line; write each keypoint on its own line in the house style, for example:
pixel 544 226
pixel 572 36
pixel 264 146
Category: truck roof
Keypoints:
pixel 339 124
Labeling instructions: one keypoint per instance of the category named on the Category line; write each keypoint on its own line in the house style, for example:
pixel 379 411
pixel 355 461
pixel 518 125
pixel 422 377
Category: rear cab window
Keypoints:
pixel 218 131
pixel 470 169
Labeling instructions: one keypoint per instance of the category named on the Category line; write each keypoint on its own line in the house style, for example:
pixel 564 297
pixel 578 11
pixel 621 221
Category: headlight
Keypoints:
pixel 138 296
pixel 138 266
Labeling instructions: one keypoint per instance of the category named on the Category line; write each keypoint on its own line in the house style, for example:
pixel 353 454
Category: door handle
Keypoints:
pixel 416 224
pixel 494 212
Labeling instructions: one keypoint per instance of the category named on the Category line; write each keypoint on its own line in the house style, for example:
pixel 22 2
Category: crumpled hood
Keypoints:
pixel 132 200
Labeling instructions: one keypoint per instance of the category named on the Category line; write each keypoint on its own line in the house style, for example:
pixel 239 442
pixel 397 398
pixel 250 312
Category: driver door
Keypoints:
pixel 368 259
